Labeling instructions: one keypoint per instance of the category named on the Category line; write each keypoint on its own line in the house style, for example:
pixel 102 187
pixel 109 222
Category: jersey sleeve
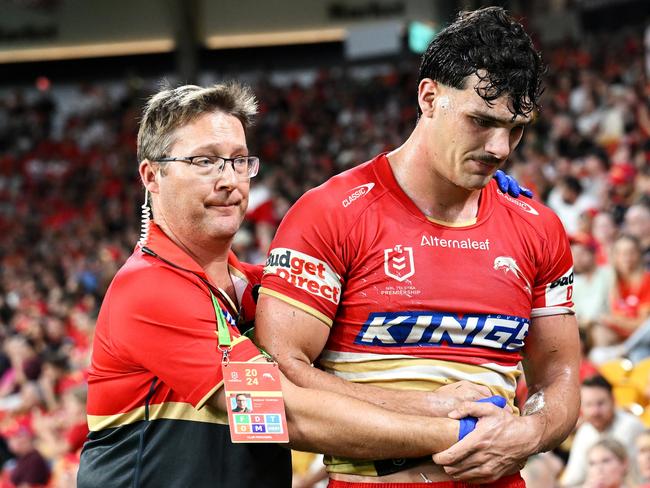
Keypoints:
pixel 553 288
pixel 304 265
pixel 164 322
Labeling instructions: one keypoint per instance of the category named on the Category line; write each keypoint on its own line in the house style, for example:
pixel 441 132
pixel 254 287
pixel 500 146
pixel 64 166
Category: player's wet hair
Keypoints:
pixel 491 44
pixel 172 108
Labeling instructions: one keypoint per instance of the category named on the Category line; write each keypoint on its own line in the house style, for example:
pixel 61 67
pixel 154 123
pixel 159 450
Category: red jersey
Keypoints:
pixel 414 303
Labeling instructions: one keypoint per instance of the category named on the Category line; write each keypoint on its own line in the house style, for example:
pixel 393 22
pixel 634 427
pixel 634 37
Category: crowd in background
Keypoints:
pixel 70 201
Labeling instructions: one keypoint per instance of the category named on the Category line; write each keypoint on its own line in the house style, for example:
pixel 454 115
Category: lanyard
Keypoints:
pixel 223 334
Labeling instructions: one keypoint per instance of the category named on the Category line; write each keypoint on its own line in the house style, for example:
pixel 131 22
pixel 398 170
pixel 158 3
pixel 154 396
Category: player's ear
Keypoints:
pixel 148 174
pixel 428 90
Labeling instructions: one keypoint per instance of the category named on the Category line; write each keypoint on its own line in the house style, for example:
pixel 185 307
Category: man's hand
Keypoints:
pixel 499 445
pixel 450 397
pixel 507 184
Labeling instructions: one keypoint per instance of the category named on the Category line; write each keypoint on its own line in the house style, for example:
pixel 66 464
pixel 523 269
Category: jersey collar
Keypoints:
pixel 385 174
pixel 167 249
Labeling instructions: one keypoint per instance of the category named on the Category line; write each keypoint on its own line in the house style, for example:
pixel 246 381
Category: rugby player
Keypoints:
pixel 412 271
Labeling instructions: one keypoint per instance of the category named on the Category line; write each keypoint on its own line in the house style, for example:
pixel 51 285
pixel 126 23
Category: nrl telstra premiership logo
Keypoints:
pixel 398 262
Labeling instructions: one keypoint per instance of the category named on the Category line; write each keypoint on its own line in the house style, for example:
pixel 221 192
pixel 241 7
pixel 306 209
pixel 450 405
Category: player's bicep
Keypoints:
pixel 287 332
pixel 552 349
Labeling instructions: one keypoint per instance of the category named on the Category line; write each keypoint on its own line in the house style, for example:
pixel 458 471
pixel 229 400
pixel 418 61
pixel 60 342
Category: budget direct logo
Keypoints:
pixel 560 291
pixel 357 192
pixel 305 272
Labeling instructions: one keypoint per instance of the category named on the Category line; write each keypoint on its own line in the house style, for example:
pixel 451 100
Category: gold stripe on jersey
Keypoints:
pixel 348 466
pixel 168 410
pixel 408 372
pixel 239 274
pixel 204 400
pixel 306 308
pixel 464 223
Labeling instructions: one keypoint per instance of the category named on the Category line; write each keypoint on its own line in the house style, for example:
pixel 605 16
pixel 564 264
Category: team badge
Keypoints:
pixel 398 262
pixel 508 264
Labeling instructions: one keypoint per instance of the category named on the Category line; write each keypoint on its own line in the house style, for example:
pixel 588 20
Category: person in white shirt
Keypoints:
pixel 599 419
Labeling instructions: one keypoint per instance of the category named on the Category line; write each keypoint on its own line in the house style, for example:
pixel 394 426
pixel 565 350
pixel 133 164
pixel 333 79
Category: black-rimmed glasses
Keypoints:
pixel 243 166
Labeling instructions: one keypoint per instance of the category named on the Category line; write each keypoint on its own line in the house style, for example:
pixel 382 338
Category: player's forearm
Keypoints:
pixel 323 421
pixel 402 401
pixel 552 364
pixel 552 411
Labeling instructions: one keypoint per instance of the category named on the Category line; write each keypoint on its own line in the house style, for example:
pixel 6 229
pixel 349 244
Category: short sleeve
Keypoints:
pixel 553 288
pixel 163 321
pixel 303 267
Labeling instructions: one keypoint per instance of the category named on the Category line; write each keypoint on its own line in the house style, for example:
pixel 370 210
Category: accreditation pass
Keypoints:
pixel 254 402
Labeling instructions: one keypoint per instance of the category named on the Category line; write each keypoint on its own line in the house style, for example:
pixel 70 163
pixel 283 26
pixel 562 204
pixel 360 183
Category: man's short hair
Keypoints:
pixel 598 381
pixel 172 108
pixel 491 44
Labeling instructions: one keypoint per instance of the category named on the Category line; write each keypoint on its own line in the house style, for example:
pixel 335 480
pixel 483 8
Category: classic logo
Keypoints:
pixel 508 264
pixel 429 328
pixel 560 291
pixel 520 203
pixel 357 192
pixel 398 262
pixel 304 271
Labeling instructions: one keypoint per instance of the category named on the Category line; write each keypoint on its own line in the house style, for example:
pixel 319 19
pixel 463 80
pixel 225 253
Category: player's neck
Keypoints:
pixel 435 196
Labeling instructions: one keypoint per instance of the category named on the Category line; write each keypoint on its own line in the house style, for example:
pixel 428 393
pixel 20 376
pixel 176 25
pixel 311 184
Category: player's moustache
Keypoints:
pixel 486 158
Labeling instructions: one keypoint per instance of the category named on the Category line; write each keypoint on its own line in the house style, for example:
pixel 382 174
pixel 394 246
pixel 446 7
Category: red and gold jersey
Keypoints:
pixel 414 303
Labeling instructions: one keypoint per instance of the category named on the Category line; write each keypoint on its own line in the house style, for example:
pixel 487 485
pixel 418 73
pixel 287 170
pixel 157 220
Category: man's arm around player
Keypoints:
pixel 326 422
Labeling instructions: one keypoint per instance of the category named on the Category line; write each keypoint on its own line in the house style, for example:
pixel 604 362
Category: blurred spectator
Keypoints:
pixel 630 296
pixel 643 459
pixel 599 419
pixel 637 224
pixel 592 283
pixel 605 232
pixel 607 465
pixel 542 470
pixel 621 179
pixel 569 201
pixel 587 368
pixel 30 469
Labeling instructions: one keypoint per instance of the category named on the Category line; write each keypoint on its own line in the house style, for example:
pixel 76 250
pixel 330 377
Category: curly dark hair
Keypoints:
pixel 491 44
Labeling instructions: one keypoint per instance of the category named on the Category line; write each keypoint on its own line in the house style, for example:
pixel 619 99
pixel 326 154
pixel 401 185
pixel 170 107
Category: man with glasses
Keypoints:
pixel 156 406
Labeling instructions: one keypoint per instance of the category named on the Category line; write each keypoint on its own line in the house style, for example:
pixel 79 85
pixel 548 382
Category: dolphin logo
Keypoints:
pixel 508 264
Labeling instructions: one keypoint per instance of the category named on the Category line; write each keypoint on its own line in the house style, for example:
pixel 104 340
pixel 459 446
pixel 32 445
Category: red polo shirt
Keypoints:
pixel 156 350
pixel 157 321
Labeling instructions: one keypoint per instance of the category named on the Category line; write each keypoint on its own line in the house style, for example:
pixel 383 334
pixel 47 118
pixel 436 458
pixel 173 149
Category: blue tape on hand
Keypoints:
pixel 468 424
